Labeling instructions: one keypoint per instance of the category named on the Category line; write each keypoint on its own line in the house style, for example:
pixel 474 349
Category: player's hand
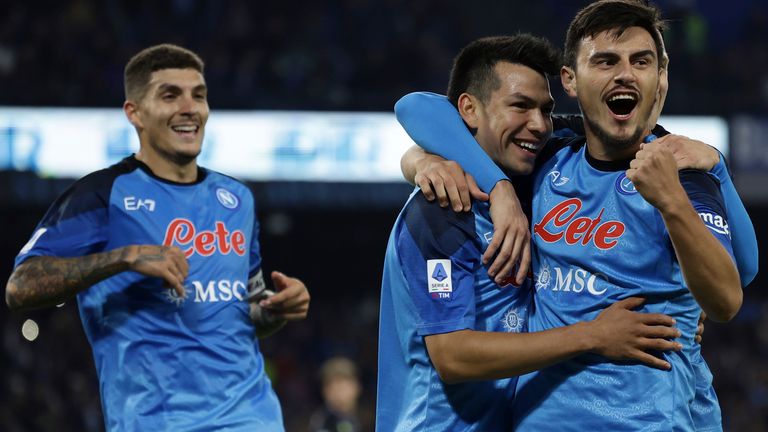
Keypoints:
pixel 622 334
pixel 165 262
pixel 511 243
pixel 690 153
pixel 291 302
pixel 447 181
pixel 700 328
pixel 654 174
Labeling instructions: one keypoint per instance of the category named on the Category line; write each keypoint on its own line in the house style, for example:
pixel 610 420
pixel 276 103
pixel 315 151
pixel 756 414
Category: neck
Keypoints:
pixel 163 167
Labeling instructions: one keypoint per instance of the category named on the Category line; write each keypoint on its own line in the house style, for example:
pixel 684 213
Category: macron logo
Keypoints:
pixel 439 278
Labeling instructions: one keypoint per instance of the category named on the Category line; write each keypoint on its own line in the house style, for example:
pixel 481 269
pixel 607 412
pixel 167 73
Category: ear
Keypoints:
pixel 131 110
pixel 469 108
pixel 568 79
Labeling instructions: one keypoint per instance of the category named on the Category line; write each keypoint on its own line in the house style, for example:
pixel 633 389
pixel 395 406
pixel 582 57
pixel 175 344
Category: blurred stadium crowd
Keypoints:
pixel 333 55
pixel 346 54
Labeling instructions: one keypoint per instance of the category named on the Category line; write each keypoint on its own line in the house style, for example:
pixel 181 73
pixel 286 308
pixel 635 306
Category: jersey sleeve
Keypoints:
pixel 439 253
pixel 704 192
pixel 254 258
pixel 435 125
pixel 76 224
pixel 743 238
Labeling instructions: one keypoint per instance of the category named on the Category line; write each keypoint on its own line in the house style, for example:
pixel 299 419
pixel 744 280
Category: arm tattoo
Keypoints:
pixel 46 281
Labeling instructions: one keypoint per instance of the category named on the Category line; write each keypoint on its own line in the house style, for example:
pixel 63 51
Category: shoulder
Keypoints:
pixel 695 181
pixel 702 188
pixel 433 226
pixel 92 191
pixel 557 144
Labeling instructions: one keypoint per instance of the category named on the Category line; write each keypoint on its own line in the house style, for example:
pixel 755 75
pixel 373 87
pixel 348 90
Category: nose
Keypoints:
pixel 538 122
pixel 188 105
pixel 625 74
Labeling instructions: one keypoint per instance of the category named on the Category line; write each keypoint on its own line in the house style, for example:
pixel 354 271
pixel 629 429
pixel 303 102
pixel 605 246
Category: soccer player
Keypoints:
pixel 164 259
pixel 449 337
pixel 602 234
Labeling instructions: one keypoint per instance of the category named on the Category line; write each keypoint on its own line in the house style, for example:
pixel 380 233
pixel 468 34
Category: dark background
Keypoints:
pixel 347 55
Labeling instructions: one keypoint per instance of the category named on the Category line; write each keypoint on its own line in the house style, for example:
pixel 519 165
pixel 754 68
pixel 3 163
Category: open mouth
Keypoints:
pixel 622 104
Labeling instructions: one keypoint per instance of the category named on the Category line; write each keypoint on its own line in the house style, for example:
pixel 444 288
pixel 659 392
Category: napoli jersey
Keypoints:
pixel 434 283
pixel 597 241
pixel 165 362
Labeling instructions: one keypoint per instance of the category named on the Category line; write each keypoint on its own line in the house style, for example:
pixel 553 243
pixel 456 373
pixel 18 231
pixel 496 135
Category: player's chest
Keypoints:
pixel 204 222
pixel 578 211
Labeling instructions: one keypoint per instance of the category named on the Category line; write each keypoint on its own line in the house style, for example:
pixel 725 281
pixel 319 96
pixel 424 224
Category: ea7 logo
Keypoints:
pixel 132 203
pixel 716 223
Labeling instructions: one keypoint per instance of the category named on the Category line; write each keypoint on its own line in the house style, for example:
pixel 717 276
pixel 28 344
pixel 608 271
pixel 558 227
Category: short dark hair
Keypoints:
pixel 473 69
pixel 616 16
pixel 158 57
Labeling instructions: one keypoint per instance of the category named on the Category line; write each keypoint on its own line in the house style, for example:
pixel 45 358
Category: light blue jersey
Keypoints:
pixel 596 242
pixel 164 362
pixel 434 283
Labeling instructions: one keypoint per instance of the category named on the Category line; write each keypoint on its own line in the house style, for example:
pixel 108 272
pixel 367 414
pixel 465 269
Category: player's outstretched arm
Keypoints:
pixel 46 281
pixel 617 333
pixel 290 303
pixel 707 266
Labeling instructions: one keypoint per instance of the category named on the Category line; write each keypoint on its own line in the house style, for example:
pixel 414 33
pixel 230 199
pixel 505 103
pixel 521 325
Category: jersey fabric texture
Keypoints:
pixel 597 241
pixel 434 283
pixel 165 362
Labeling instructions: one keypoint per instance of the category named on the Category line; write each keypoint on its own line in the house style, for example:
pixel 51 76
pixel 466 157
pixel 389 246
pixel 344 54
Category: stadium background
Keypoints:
pixel 340 55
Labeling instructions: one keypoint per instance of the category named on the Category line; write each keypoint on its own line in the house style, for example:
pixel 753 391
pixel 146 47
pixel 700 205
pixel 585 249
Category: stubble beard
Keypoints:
pixel 616 144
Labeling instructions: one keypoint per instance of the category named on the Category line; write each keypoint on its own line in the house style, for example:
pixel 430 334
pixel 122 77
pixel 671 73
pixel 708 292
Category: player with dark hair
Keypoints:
pixel 450 341
pixel 164 259
pixel 603 234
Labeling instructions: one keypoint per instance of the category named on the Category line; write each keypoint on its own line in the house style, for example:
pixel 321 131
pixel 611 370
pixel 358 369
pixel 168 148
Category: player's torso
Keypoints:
pixel 180 362
pixel 596 241
pixel 211 222
pixel 411 395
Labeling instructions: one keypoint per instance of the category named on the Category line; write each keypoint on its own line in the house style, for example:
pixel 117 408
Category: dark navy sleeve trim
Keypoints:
pixel 703 189
pixel 437 228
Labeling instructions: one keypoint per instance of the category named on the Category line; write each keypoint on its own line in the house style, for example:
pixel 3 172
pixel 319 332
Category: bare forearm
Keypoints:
pixel 46 281
pixel 707 267
pixel 470 355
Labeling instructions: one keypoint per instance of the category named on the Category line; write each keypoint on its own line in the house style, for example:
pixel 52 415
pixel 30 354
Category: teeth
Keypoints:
pixel 527 145
pixel 185 128
pixel 621 96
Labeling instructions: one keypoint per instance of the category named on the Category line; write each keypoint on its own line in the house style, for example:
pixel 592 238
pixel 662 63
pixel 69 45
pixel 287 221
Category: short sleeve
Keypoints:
pixel 704 193
pixel 439 253
pixel 76 224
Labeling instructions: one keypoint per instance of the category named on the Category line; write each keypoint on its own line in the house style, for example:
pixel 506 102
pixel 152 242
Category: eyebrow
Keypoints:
pixel 173 87
pixel 530 101
pixel 610 55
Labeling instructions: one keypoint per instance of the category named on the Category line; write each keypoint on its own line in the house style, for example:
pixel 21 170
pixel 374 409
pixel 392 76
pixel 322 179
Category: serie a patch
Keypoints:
pixel 439 277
